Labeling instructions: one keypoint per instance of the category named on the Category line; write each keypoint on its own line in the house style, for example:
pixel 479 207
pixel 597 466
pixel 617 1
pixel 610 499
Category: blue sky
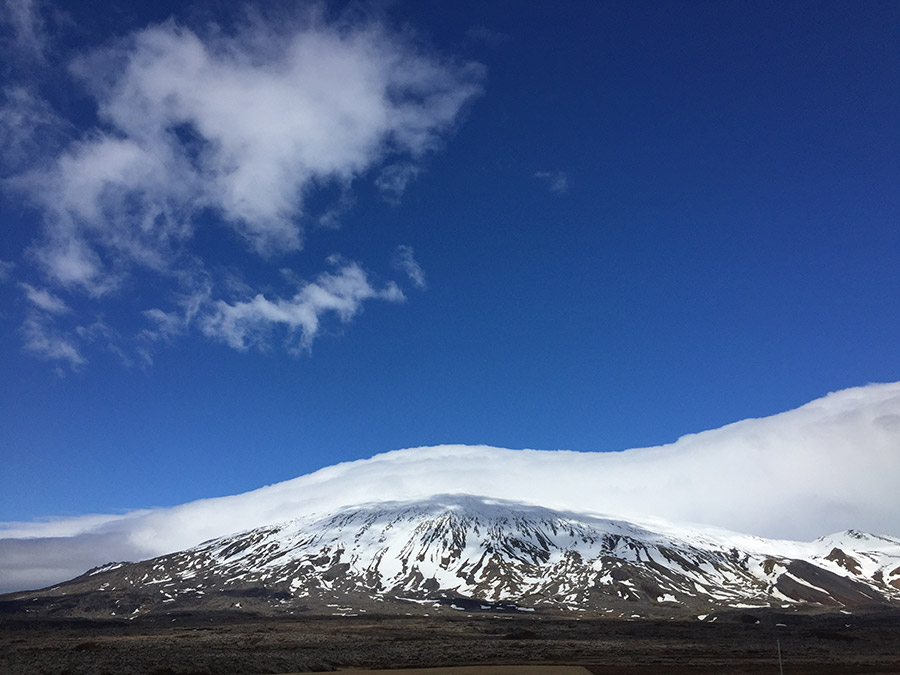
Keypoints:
pixel 586 226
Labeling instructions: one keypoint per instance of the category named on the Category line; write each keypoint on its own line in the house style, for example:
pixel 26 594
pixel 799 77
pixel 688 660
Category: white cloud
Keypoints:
pixel 237 130
pixel 557 181
pixel 223 124
pixel 393 180
pixel 6 269
pixel 24 19
pixel 34 563
pixel 101 333
pixel 246 323
pixel 250 322
pixel 830 465
pixel 29 128
pixel 405 261
pixel 44 299
pixel 43 339
pixel 166 325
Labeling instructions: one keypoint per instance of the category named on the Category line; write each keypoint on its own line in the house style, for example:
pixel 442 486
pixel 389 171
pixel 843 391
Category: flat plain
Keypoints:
pixel 227 643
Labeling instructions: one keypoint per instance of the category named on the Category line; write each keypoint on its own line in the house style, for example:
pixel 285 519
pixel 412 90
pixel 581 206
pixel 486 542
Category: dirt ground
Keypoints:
pixel 479 670
pixel 233 643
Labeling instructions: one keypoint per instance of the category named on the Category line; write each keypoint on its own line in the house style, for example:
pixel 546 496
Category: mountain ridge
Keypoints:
pixel 462 552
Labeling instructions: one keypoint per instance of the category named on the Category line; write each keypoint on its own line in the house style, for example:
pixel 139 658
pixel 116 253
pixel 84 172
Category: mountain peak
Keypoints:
pixel 462 550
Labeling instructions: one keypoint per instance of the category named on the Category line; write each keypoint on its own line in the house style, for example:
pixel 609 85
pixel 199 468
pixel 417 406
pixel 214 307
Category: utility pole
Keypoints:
pixel 780 666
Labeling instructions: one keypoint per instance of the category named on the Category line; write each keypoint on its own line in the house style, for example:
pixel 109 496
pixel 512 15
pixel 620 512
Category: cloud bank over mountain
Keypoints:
pixel 829 465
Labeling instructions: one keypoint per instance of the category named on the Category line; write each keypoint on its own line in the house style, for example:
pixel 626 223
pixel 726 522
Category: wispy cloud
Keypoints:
pixel 394 179
pixel 486 36
pixel 247 323
pixel 237 129
pixel 43 339
pixel 6 270
pixel 406 262
pixel 826 466
pixel 25 20
pixel 29 128
pixel 557 181
pixel 44 300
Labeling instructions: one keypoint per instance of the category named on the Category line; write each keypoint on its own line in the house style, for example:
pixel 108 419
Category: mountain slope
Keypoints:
pixel 480 554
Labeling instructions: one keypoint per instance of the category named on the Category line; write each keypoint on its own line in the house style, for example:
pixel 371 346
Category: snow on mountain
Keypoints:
pixel 484 554
pixel 830 465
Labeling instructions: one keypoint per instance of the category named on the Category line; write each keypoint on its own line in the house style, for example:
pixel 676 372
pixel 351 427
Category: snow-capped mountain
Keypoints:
pixel 829 465
pixel 479 554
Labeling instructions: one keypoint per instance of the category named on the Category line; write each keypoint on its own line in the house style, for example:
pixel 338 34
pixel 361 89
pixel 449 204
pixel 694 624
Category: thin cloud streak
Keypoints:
pixel 394 179
pixel 44 299
pixel 24 18
pixel 827 466
pixel 557 181
pixel 43 339
pixel 6 270
pixel 29 128
pixel 405 261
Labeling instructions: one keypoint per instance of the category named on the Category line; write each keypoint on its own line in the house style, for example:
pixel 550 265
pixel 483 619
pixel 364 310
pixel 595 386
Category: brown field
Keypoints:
pixel 477 645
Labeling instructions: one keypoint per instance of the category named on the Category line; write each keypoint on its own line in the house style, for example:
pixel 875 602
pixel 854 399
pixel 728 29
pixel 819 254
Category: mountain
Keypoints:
pixel 476 554
pixel 826 466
